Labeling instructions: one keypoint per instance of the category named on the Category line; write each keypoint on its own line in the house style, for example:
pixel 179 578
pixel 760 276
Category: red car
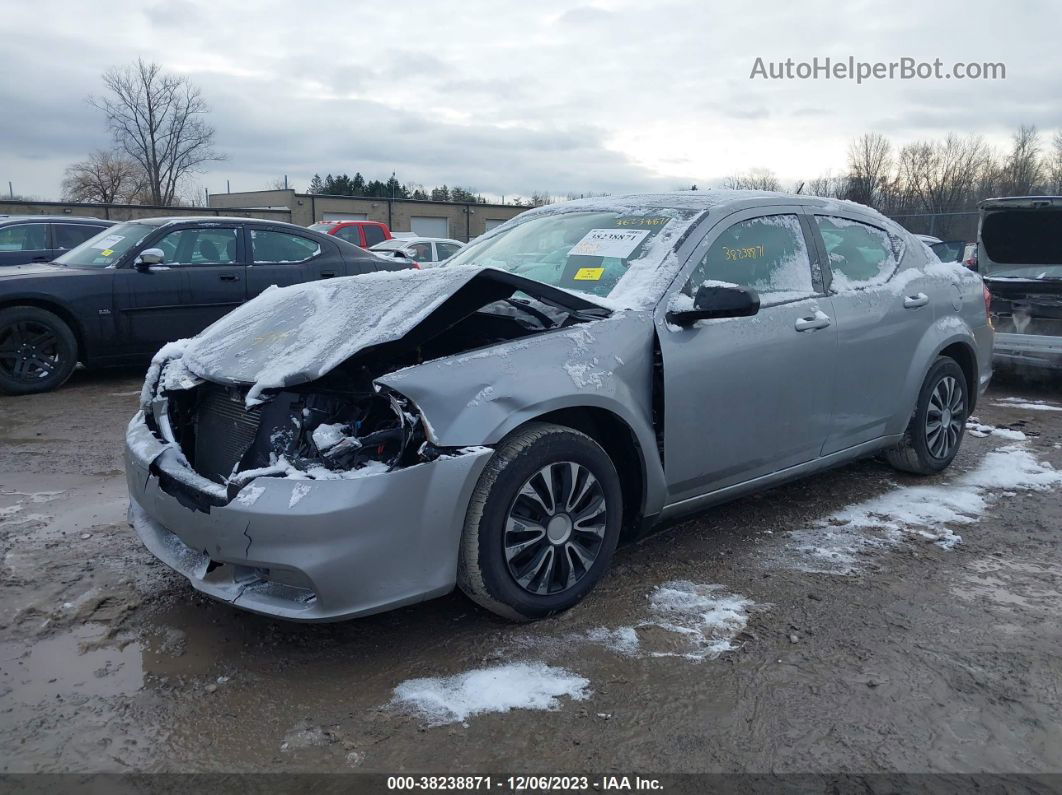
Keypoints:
pixel 360 233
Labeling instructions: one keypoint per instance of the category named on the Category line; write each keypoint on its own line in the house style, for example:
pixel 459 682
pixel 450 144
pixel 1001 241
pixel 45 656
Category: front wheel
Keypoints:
pixel 38 351
pixel 936 428
pixel 542 523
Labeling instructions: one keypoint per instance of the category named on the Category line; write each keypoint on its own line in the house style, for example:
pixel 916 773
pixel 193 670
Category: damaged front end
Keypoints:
pixel 278 396
pixel 339 427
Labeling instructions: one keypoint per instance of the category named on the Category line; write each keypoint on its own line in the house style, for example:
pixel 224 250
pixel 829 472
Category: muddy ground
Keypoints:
pixel 919 658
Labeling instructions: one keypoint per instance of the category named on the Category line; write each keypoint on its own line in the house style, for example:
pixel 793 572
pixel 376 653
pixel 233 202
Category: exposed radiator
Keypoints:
pixel 225 429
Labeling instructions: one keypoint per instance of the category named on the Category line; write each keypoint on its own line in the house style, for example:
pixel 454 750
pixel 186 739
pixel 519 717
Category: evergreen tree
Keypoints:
pixel 316 185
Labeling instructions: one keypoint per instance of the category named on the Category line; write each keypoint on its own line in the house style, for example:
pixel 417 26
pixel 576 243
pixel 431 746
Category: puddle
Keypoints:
pixel 1013 584
pixel 70 665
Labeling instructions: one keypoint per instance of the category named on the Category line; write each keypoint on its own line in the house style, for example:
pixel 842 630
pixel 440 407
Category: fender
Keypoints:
pixel 505 386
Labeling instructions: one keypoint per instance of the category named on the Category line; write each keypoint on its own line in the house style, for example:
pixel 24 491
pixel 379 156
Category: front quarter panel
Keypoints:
pixel 477 398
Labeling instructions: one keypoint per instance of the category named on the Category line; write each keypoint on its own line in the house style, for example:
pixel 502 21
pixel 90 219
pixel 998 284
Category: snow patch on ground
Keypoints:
pixel 501 688
pixel 1034 405
pixel 975 428
pixel 695 621
pixel 839 543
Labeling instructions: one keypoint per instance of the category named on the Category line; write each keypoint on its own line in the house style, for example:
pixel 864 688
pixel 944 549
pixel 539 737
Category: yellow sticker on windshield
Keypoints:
pixel 107 252
pixel 589 274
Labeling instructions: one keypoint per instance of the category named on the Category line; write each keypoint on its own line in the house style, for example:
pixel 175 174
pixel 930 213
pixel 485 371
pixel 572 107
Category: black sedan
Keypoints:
pixel 120 296
pixel 42 238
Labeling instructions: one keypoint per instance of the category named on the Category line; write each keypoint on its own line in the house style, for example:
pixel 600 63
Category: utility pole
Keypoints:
pixel 285 182
pixel 206 197
pixel 228 188
pixel 391 203
pixel 10 190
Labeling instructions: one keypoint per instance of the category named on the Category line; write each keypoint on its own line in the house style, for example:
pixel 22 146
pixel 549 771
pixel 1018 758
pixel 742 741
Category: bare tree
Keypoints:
pixel 1022 170
pixel 755 179
pixel 104 177
pixel 869 167
pixel 941 176
pixel 1053 167
pixel 158 120
pixel 825 185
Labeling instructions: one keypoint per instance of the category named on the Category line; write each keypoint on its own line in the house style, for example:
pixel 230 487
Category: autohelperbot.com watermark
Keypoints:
pixel 851 68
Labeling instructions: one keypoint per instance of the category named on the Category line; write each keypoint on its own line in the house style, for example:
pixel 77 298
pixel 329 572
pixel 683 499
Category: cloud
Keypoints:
pixel 606 96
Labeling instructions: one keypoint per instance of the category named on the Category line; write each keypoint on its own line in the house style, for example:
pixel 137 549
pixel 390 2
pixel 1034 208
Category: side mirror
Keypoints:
pixel 148 257
pixel 712 302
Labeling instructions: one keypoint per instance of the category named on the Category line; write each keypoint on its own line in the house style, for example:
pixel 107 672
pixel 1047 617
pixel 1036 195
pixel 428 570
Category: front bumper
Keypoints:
pixel 303 549
pixel 1028 350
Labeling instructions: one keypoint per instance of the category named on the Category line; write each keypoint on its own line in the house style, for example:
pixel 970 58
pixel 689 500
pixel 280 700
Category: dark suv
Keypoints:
pixel 120 296
pixel 42 238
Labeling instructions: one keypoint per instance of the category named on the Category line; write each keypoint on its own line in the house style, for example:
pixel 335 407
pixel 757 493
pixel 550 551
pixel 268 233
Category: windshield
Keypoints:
pixel 590 252
pixel 322 227
pixel 1023 244
pixel 106 248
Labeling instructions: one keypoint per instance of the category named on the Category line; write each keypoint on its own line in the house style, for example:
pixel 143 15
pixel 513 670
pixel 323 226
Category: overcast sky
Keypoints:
pixel 508 97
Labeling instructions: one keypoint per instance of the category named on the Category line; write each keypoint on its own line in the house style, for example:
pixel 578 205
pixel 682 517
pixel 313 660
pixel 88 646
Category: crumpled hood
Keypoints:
pixel 299 333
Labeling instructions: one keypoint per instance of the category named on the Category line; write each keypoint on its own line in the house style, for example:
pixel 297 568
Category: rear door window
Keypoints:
pixel 71 235
pixel 283 247
pixel 447 250
pixel 24 237
pixel 768 254
pixel 860 255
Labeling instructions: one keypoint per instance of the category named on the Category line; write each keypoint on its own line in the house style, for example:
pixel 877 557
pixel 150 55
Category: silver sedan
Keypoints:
pixel 572 377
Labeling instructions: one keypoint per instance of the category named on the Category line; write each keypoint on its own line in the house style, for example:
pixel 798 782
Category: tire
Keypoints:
pixel 497 563
pixel 38 351
pixel 921 451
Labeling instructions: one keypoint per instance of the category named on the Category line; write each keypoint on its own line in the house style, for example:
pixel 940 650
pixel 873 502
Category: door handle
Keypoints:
pixel 327 274
pixel 229 277
pixel 39 259
pixel 915 301
pixel 819 320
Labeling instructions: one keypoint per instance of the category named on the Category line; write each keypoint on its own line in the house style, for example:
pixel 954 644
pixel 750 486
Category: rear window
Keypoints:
pixel 1023 243
pixel 373 234
pixel 71 235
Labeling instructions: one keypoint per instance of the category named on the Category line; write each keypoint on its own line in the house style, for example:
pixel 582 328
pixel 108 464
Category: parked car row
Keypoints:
pixel 411 250
pixel 121 295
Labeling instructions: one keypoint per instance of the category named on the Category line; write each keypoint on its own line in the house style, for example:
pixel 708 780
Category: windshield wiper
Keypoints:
pixel 538 314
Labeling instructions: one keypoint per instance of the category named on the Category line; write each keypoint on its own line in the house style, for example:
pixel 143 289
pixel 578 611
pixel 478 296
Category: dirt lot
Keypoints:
pixel 804 629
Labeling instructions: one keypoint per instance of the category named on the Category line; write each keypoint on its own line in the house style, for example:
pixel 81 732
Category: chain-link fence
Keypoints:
pixel 946 226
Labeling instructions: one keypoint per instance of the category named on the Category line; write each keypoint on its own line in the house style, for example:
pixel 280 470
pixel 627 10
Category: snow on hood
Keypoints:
pixel 296 334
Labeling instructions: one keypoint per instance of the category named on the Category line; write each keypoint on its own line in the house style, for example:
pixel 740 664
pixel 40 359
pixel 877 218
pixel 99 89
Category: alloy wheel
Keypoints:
pixel 29 351
pixel 555 528
pixel 945 417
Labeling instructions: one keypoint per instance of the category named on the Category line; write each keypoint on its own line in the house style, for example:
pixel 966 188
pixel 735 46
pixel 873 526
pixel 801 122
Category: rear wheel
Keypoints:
pixel 542 523
pixel 936 428
pixel 38 351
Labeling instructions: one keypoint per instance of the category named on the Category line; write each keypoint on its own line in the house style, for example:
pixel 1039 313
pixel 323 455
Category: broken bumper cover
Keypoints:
pixel 1028 350
pixel 311 550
